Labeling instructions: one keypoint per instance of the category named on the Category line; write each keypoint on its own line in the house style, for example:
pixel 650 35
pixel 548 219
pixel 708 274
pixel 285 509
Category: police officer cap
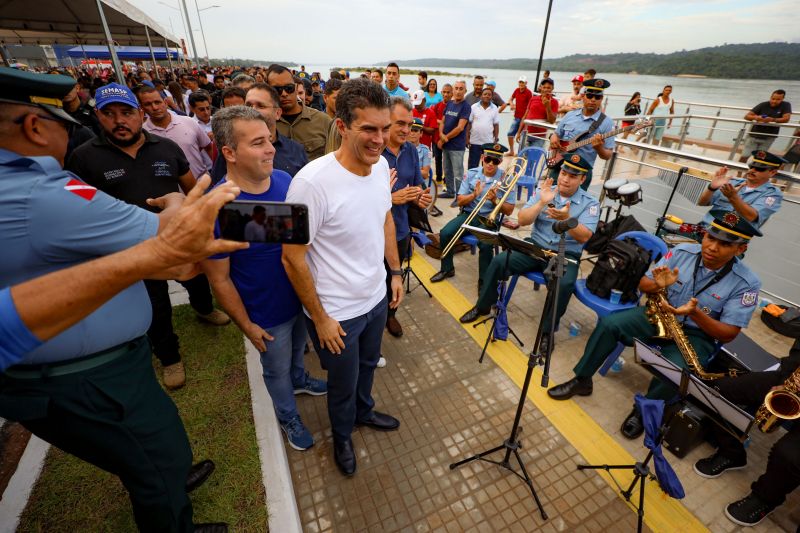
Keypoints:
pixel 38 90
pixel 494 150
pixel 763 160
pixel 417 124
pixel 596 85
pixel 574 163
pixel 729 226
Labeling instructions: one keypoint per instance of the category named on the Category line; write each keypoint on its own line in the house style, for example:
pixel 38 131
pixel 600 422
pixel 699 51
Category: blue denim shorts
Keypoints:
pixel 512 131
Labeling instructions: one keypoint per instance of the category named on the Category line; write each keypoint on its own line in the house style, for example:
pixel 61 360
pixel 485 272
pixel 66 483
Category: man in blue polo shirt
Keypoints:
pixel 576 124
pixel 393 81
pixel 453 138
pixel 408 187
pixel 251 285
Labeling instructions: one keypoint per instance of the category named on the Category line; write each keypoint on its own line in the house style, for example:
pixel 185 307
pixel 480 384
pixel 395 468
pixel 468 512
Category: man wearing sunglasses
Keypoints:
pixel 300 123
pixel 576 124
pixel 479 182
pixel 90 390
pixel 753 197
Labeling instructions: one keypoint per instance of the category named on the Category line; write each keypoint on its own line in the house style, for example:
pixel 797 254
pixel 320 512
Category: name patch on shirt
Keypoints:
pixel 749 298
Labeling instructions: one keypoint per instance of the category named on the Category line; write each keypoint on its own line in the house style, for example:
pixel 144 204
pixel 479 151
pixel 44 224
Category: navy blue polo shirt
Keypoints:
pixel 290 157
pixel 408 175
pixel 453 113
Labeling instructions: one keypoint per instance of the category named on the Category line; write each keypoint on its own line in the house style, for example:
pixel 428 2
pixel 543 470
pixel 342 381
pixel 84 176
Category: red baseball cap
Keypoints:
pixel 577 78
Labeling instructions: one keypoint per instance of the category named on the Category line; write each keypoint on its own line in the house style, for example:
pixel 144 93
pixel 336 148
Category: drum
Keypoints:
pixel 629 194
pixel 611 186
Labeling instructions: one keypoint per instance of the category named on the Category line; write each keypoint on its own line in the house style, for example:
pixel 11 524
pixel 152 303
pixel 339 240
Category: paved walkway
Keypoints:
pixel 450 407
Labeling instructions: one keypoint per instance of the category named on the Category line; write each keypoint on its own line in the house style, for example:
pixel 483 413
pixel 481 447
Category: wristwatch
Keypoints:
pixel 396 272
pixel 710 188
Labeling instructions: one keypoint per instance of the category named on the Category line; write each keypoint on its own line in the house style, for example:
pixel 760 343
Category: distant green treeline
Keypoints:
pixel 746 61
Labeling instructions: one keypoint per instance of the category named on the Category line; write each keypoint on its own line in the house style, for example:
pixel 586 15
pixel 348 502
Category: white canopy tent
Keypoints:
pixel 83 22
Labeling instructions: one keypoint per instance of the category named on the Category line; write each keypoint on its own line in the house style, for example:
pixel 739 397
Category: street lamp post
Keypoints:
pixel 202 31
pixel 544 40
pixel 187 26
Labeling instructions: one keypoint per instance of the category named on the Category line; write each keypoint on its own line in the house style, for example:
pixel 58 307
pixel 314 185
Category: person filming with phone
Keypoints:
pixel 251 284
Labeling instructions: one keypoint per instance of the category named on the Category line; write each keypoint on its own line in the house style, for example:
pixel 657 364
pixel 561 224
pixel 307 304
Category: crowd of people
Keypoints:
pixel 95 168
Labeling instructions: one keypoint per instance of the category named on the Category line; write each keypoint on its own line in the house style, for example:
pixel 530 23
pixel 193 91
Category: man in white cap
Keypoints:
pixel 428 116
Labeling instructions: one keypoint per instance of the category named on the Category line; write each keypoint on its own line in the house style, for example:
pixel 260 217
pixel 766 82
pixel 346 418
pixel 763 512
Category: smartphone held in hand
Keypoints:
pixel 264 222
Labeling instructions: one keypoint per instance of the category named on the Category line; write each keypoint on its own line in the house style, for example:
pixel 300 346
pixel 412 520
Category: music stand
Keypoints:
pixel 417 218
pixel 728 416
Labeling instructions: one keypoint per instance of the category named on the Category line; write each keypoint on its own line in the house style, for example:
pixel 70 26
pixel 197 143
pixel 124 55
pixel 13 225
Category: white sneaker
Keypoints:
pixel 381 362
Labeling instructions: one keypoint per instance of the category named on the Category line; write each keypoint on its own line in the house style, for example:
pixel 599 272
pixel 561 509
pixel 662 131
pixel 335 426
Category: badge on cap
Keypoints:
pixel 599 83
pixel 497 147
pixel 731 218
pixel 575 158
pixel 761 154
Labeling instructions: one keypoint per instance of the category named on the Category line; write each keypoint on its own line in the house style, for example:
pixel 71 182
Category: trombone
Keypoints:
pixel 514 172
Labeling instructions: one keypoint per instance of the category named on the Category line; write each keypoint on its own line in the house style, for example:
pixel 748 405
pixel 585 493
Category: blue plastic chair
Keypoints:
pixel 536 164
pixel 603 306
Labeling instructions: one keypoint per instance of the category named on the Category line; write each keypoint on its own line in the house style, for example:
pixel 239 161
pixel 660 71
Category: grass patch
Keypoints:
pixel 215 406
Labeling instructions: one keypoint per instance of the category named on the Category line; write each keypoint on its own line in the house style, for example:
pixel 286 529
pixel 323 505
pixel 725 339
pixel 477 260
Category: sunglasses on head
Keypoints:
pixel 594 96
pixel 493 160
pixel 288 89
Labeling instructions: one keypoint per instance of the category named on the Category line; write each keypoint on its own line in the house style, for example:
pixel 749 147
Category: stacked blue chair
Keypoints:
pixel 536 158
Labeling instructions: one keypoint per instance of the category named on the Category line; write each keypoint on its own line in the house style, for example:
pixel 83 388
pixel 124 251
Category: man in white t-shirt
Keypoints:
pixel 483 127
pixel 339 276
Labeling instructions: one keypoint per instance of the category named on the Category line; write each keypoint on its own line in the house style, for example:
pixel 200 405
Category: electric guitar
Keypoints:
pixel 556 155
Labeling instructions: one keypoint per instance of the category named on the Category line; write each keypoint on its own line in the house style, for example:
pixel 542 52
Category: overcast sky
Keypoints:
pixel 359 32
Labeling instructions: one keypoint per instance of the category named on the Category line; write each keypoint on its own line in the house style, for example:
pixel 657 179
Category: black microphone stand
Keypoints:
pixel 512 445
pixel 681 172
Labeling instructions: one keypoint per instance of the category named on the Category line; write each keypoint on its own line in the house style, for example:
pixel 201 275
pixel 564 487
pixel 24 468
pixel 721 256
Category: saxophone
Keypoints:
pixel 782 403
pixel 667 327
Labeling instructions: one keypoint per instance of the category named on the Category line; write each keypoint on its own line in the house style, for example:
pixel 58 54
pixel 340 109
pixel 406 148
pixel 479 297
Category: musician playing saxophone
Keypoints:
pixel 783 466
pixel 480 181
pixel 711 292
pixel 575 125
pixel 550 204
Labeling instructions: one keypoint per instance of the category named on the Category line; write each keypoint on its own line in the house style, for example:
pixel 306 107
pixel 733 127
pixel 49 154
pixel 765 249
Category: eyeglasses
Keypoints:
pixel 288 89
pixel 594 96
pixel 69 126
pixel 492 160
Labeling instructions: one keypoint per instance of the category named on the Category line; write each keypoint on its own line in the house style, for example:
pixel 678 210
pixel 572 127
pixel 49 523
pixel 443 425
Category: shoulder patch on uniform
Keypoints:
pixel 749 299
pixel 669 255
pixel 770 201
pixel 593 210
pixel 79 188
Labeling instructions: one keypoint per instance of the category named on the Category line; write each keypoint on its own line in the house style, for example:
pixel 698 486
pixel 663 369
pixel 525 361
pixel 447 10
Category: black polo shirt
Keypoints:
pixel 153 173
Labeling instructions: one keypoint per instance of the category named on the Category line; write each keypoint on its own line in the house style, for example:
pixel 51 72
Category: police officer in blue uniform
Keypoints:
pixel 711 291
pixel 753 197
pixel 576 124
pixel 480 182
pixel 90 390
pixel 551 203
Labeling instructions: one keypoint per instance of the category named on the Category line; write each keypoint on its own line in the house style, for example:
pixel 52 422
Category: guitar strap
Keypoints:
pixel 591 130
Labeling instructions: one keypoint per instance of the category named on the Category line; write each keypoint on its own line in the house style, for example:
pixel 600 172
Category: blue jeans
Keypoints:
pixel 453 169
pixel 474 158
pixel 282 365
pixel 350 373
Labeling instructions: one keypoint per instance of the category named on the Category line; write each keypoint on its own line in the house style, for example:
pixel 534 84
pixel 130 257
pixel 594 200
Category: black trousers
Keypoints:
pixel 783 466
pixel 437 160
pixel 161 333
pixel 402 251
pixel 117 417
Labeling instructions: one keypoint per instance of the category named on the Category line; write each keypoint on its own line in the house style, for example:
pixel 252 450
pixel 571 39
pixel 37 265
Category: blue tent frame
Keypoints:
pixel 123 52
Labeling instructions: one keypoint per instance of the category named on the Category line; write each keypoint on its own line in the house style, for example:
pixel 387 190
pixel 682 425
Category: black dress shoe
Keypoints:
pixel 472 315
pixel 214 527
pixel 446 195
pixel 633 426
pixel 565 391
pixel 441 276
pixel 380 421
pixel 394 327
pixel 198 474
pixel 344 457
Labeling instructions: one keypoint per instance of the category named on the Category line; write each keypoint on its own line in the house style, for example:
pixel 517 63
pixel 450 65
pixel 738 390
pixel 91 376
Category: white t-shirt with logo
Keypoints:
pixel 346 215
